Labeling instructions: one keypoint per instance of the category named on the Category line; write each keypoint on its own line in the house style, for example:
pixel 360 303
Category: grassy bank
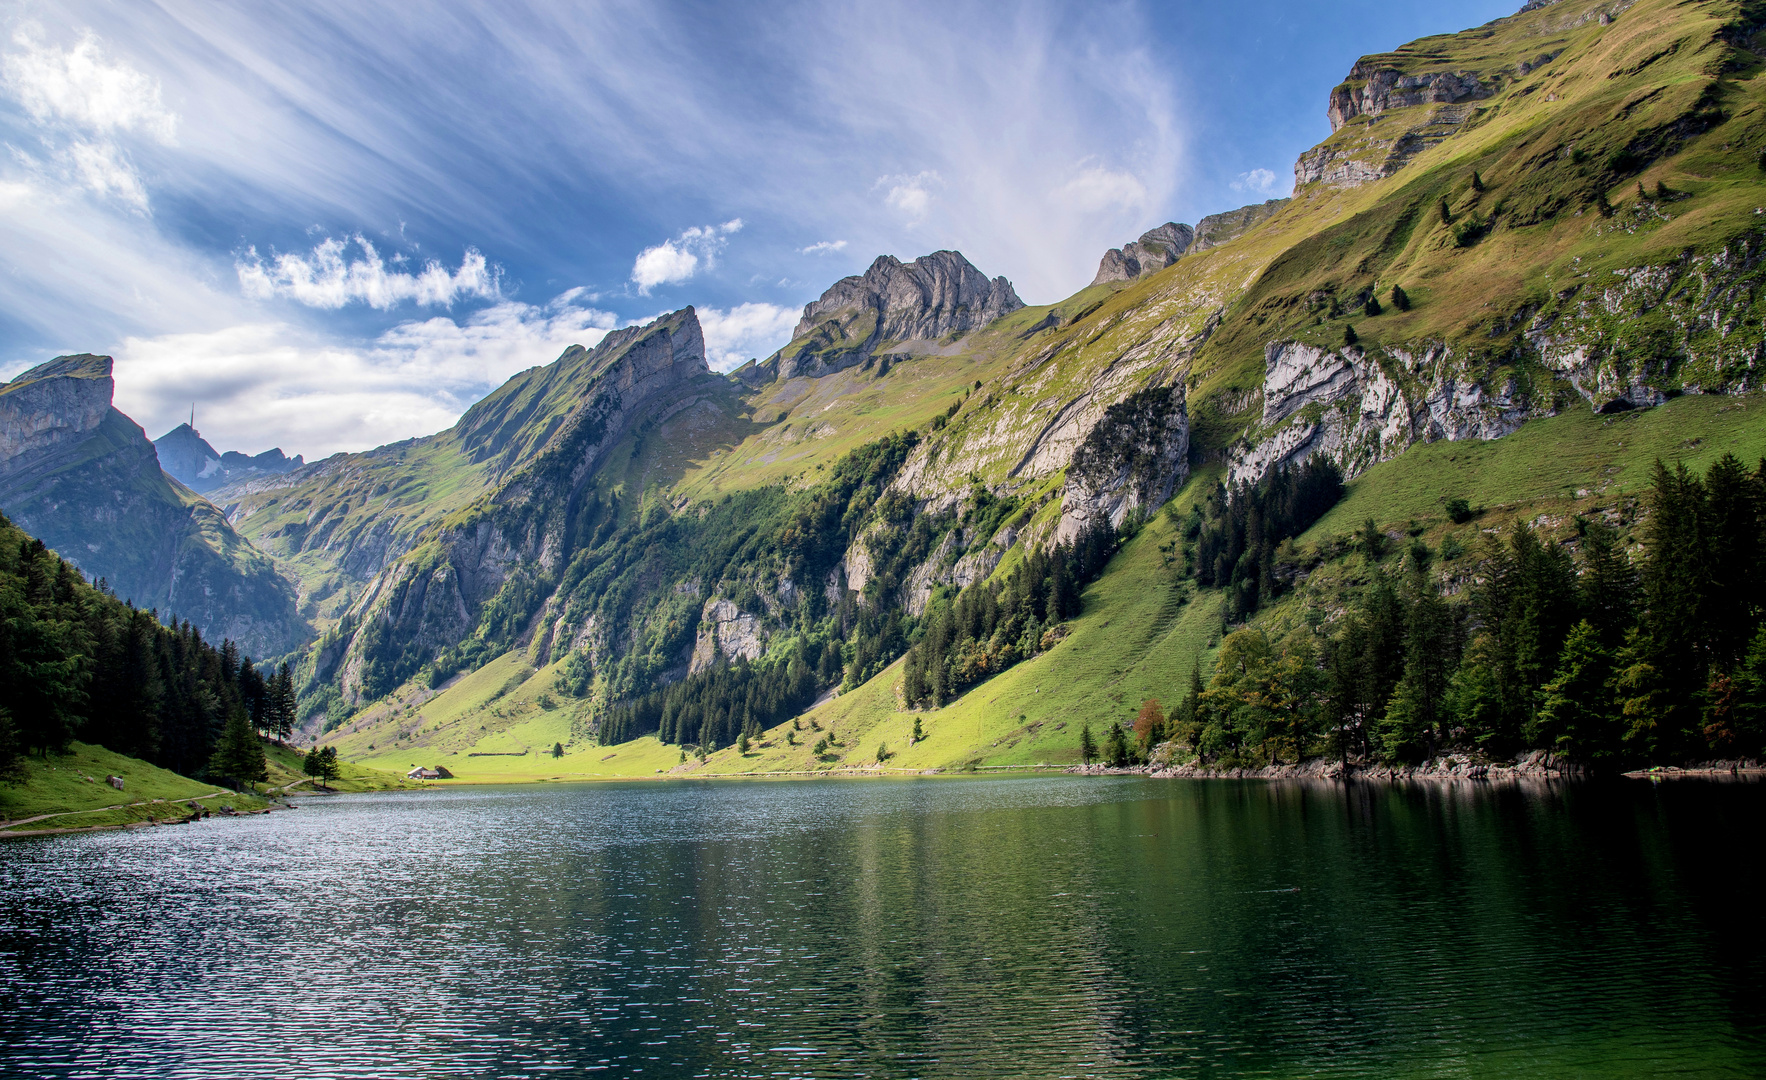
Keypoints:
pixel 69 791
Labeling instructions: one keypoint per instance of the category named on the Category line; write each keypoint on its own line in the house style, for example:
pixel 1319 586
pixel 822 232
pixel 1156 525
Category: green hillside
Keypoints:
pixel 70 790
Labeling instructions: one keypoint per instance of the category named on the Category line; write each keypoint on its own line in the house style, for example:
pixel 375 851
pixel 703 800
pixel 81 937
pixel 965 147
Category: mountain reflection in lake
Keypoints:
pixel 1047 927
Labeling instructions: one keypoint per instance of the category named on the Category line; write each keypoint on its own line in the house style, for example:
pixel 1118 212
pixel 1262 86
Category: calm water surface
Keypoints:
pixel 1044 927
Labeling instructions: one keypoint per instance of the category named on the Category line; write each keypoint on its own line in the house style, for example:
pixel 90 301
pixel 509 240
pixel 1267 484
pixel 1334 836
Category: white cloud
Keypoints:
pixel 264 384
pixel 102 169
pixel 328 279
pixel 1097 189
pixel 664 264
pixel 1259 182
pixel 744 332
pixel 910 196
pixel 79 87
pixel 674 261
pixel 823 247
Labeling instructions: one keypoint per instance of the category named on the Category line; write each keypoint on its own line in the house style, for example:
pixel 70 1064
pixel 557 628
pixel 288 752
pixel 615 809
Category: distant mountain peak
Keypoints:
pixel 189 459
pixel 929 298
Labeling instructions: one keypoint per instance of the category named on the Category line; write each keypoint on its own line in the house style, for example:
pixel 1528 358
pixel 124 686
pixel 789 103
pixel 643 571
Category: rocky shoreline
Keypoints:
pixel 1537 765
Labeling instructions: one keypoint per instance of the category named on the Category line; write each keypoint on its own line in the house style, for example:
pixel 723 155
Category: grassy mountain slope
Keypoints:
pixel 1566 198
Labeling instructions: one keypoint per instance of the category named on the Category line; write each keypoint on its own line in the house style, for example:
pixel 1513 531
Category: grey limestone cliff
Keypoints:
pixel 1156 249
pixel 1373 88
pixel 930 298
pixel 1361 407
pixel 1132 460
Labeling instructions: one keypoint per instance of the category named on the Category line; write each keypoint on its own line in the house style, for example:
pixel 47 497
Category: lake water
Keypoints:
pixel 1039 927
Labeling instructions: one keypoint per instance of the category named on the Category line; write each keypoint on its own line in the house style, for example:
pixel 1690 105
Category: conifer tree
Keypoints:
pixel 239 756
pixel 1088 748
pixel 1575 718
pixel 1116 751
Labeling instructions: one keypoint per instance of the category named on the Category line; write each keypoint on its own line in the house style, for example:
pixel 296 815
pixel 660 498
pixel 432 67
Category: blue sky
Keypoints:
pixel 337 223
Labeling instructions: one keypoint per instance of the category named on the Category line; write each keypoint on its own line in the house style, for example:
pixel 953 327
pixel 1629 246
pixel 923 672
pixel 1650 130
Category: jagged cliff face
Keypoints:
pixel 1372 89
pixel 1154 251
pixel 83 478
pixel 1359 408
pixel 547 432
pixel 933 297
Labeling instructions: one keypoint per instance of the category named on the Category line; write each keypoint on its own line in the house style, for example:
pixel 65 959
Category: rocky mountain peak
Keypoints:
pixel 625 367
pixel 935 295
pixel 1155 250
pixel 189 459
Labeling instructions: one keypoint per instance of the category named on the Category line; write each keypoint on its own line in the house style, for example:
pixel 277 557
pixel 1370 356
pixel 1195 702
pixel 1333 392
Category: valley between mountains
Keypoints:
pixel 1454 456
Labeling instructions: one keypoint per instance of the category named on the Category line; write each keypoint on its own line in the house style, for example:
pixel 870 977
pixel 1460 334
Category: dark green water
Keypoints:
pixel 1044 927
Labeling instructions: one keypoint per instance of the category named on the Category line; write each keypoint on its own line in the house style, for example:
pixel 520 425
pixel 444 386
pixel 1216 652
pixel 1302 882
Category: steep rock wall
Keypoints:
pixel 1134 458
pixel 431 598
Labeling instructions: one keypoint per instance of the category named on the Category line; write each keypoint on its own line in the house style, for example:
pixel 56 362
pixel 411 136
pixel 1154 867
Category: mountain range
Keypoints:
pixel 188 458
pixel 1538 240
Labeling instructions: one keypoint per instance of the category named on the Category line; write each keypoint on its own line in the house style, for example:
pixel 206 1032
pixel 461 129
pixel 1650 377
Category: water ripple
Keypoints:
pixel 1042 927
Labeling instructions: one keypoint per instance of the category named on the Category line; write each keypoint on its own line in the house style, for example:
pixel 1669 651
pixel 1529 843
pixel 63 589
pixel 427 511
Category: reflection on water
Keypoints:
pixel 1055 926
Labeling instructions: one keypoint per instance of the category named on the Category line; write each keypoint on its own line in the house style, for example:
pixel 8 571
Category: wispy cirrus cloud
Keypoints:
pixel 327 277
pixel 823 247
pixel 83 105
pixel 675 261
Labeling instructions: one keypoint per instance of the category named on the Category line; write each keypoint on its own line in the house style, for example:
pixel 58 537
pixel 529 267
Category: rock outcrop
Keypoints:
pixel 1133 459
pixel 83 478
pixel 1155 250
pixel 52 407
pixel 726 632
pixel 934 296
pixel 189 459
pixel 1373 88
pixel 1359 407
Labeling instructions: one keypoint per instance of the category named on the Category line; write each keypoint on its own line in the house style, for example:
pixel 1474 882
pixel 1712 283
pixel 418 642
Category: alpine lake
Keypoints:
pixel 1038 926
